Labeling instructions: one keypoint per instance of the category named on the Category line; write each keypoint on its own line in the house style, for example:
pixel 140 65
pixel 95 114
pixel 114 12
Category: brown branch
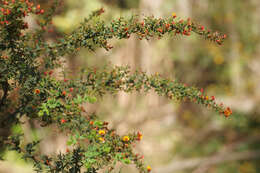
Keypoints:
pixel 177 165
pixel 5 87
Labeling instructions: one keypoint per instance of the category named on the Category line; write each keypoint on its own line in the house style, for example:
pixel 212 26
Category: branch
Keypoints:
pixel 96 34
pixel 205 166
pixel 5 87
pixel 217 159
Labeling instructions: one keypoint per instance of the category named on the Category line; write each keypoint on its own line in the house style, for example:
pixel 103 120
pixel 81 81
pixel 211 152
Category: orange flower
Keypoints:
pixel 63 93
pixel 167 25
pixel 37 91
pixel 227 112
pixel 47 162
pixel 139 136
pixel 38 6
pixel 126 138
pixel 101 132
pixel 149 168
pixel 101 140
pixel 160 30
pixel 63 121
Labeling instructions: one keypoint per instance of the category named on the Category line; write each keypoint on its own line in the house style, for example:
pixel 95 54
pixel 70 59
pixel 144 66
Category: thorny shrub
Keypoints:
pixel 28 88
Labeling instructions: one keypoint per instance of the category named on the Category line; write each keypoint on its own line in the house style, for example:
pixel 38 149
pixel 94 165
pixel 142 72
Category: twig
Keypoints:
pixel 217 159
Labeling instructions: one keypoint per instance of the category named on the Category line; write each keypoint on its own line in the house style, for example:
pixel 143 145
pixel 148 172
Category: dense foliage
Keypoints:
pixel 29 88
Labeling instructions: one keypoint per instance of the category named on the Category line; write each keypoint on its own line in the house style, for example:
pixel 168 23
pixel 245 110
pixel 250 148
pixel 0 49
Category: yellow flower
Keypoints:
pixel 174 15
pixel 101 132
pixel 101 140
pixel 126 138
pixel 149 168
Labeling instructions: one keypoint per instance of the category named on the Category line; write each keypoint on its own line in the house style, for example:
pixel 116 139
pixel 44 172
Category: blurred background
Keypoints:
pixel 178 137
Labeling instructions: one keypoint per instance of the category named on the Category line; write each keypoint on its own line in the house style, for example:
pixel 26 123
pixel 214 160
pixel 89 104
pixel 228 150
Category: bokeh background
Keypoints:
pixel 178 137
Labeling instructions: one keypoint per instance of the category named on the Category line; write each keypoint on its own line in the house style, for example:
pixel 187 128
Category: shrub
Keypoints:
pixel 29 88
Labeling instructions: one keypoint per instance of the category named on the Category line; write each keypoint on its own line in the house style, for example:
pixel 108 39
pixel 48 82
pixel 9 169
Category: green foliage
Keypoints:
pixel 30 90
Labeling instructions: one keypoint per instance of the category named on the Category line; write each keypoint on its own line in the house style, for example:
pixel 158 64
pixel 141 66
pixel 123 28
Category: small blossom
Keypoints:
pixel 63 93
pixel 101 139
pixel 8 12
pixel 63 121
pixel 101 132
pixel 126 138
pixel 160 30
pixel 139 136
pixel 227 112
pixel 41 11
pixel 37 91
pixel 47 162
pixel 174 15
pixel 149 168
pixel 38 6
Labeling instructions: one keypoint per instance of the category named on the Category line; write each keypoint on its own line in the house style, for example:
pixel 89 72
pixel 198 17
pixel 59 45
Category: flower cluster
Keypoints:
pixel 20 8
